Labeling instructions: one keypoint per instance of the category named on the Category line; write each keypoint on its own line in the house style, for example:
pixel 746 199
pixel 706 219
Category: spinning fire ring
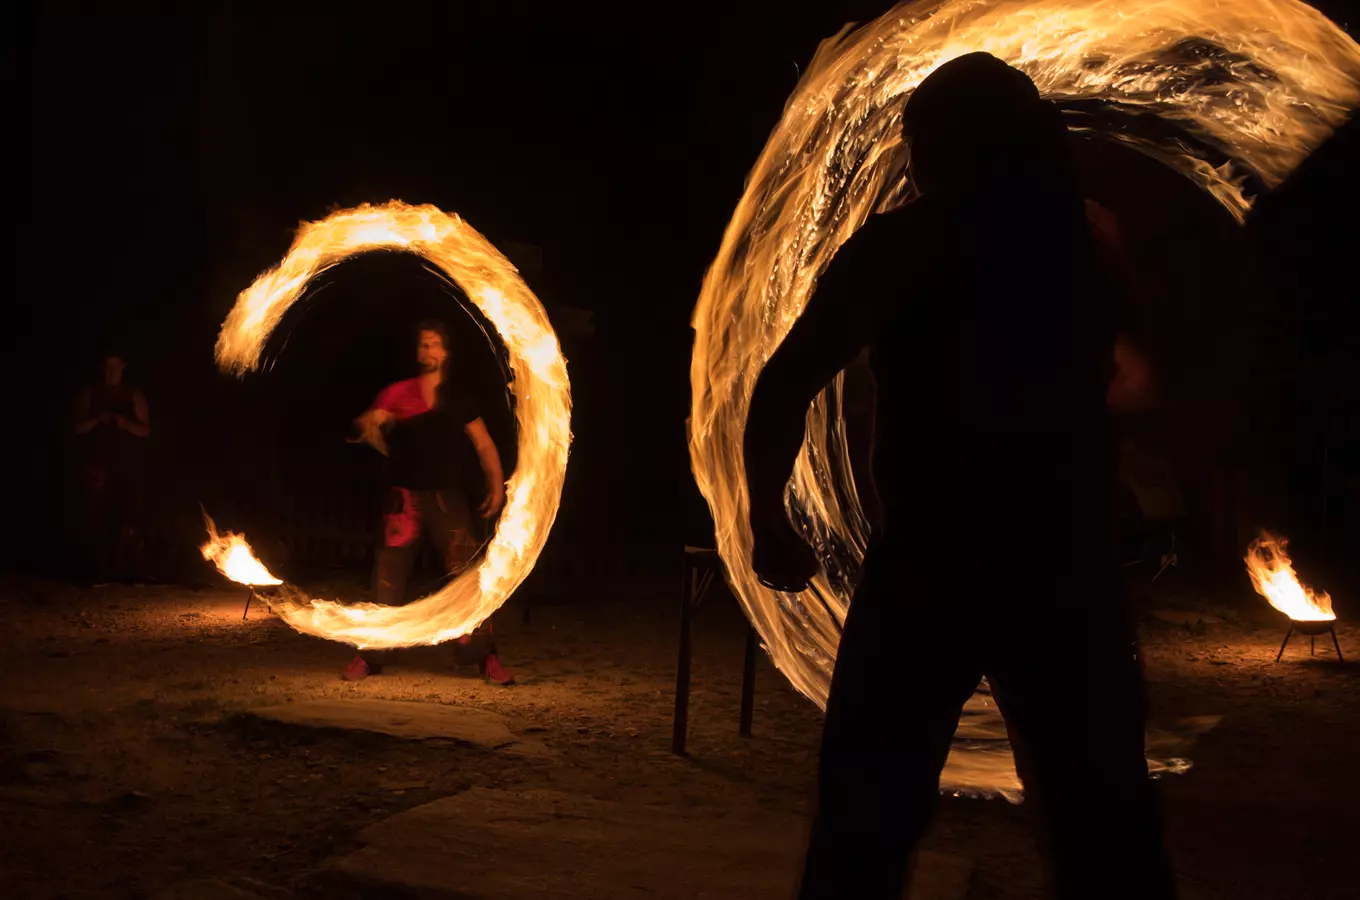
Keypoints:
pixel 539 384
pixel 1257 84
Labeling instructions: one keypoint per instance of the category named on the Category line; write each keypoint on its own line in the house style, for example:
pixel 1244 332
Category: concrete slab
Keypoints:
pixel 493 845
pixel 206 889
pixel 406 719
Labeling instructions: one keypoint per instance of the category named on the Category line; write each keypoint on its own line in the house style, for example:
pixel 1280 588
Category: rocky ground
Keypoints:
pixel 129 765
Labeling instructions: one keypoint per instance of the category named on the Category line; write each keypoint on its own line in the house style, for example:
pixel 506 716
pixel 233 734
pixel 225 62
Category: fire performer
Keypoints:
pixel 112 424
pixel 992 346
pixel 419 424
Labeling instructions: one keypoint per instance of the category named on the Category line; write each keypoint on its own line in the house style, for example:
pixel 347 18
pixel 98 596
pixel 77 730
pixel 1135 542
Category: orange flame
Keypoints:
pixel 1272 574
pixel 234 558
pixel 542 408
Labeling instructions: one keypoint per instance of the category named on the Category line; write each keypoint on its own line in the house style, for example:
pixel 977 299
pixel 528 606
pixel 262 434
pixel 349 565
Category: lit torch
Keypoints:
pixel 1272 574
pixel 234 559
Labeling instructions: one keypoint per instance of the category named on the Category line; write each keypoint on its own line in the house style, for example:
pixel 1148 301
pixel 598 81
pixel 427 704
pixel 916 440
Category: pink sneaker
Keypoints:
pixel 495 672
pixel 357 670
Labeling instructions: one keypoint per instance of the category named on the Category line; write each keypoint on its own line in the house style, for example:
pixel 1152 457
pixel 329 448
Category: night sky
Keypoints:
pixel 168 159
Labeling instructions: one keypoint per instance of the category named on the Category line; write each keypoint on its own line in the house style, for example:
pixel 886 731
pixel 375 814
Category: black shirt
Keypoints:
pixel 427 449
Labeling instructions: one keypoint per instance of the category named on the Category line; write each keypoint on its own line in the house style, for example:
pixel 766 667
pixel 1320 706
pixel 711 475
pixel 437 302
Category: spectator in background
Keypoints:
pixel 112 425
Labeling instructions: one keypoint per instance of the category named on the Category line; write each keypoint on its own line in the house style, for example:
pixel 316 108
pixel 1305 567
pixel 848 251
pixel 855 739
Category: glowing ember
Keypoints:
pixel 1258 83
pixel 234 558
pixel 1272 574
pixel 542 408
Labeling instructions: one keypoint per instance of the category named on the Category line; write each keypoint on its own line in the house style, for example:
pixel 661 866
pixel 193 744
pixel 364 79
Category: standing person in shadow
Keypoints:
pixel 112 424
pixel 992 344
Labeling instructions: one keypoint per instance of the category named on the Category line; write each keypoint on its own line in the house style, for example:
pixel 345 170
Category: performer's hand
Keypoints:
pixel 369 434
pixel 495 499
pixel 782 559
pixel 106 418
pixel 122 422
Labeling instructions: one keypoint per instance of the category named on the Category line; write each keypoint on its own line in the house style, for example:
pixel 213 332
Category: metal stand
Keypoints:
pixel 250 595
pixel 701 567
pixel 1312 630
pixel 1169 559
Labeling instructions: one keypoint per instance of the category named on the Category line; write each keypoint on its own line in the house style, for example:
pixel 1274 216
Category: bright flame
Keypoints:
pixel 1252 86
pixel 1272 574
pixel 234 558
pixel 542 408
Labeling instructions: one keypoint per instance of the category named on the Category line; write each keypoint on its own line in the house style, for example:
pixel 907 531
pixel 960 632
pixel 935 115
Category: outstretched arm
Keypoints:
pixel 823 341
pixel 371 425
pixel 837 324
pixel 490 459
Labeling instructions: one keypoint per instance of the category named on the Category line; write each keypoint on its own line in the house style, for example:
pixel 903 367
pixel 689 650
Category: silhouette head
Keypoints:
pixel 976 119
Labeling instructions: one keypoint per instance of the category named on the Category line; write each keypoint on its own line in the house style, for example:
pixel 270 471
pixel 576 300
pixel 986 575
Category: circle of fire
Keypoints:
pixel 539 384
pixel 1258 84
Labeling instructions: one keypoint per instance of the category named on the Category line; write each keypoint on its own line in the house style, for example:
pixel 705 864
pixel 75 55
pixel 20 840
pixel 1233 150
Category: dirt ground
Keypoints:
pixel 127 764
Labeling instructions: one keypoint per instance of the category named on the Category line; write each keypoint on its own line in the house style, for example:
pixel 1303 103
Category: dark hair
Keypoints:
pixel 437 327
pixel 975 117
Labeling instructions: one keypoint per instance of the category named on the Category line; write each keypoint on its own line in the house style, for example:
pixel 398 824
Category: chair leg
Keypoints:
pixel 680 726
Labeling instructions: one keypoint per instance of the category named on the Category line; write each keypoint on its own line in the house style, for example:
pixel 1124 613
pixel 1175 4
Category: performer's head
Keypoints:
pixel 432 346
pixel 976 119
pixel 114 364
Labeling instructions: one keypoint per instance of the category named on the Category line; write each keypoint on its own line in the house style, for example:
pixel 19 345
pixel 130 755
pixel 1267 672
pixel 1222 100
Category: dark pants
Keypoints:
pixel 445 519
pixel 441 517
pixel 1041 616
pixel 114 530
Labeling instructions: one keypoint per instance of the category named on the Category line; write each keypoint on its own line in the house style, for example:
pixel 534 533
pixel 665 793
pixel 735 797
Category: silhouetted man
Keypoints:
pixel 419 424
pixel 991 340
pixel 112 424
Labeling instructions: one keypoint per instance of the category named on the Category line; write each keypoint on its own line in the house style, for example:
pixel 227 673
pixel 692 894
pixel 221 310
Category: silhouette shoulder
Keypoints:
pixel 893 236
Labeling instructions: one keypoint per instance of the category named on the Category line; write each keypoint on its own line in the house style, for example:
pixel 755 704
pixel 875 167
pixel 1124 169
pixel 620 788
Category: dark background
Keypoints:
pixel 166 159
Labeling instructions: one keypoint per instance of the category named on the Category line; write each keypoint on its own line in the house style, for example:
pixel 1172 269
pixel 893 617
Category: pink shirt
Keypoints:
pixel 403 399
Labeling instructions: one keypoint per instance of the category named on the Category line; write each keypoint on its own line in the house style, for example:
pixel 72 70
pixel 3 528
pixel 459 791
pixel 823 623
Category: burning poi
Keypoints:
pixel 539 385
pixel 1251 87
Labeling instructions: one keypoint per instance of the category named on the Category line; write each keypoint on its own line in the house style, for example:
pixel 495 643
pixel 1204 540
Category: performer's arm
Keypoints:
pixel 1133 386
pixel 371 426
pixel 84 422
pixel 491 467
pixel 140 425
pixel 836 325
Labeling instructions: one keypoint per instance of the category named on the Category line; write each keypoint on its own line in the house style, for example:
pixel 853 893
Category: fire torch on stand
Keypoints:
pixel 234 559
pixel 1272 574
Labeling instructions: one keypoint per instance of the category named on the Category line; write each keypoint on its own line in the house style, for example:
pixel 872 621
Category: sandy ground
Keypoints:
pixel 127 764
